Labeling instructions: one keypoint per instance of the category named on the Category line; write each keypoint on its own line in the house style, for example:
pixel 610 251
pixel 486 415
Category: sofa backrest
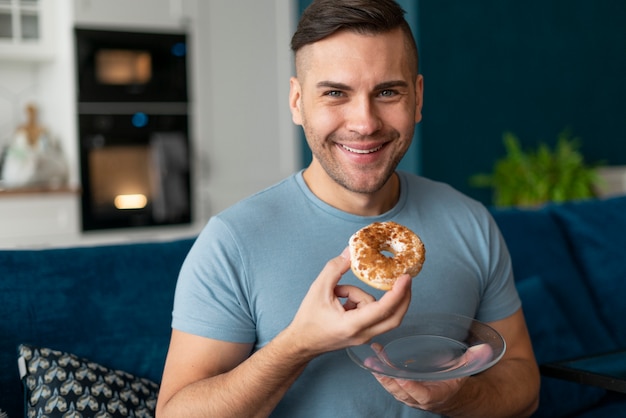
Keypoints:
pixel 111 304
pixel 540 247
pixel 569 270
pixel 596 231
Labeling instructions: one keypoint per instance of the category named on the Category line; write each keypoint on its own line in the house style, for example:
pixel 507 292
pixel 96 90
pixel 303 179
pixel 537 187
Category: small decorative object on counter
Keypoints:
pixel 34 158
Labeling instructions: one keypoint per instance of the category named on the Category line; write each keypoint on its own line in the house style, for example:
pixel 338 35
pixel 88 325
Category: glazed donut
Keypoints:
pixel 370 263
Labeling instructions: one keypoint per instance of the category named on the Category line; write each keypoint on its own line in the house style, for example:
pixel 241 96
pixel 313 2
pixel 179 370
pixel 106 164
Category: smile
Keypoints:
pixel 361 151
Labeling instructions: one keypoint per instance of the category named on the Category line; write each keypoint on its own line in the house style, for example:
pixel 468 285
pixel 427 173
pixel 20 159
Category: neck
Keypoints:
pixel 361 204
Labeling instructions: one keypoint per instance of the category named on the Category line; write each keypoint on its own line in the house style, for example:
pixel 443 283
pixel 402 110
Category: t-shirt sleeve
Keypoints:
pixel 211 298
pixel 500 298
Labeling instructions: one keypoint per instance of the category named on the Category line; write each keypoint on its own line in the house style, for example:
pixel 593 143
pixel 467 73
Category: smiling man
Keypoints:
pixel 358 97
pixel 266 303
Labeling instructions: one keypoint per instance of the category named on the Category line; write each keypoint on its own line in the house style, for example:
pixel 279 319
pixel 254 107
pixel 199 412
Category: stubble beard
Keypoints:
pixel 342 177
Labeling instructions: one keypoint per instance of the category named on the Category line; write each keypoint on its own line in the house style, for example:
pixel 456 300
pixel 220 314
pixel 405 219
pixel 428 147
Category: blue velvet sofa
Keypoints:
pixel 109 304
pixel 102 314
pixel 570 269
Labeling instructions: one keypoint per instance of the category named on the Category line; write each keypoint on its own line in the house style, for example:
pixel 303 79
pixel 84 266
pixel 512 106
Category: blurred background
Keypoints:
pixel 532 69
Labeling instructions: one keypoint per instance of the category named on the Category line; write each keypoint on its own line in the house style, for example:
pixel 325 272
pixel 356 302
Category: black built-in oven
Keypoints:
pixel 115 66
pixel 133 119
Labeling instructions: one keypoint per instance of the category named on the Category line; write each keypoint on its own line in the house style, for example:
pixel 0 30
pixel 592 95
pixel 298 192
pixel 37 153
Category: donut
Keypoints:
pixel 382 251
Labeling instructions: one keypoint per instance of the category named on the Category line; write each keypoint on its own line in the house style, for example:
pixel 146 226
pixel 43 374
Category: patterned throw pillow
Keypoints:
pixel 58 384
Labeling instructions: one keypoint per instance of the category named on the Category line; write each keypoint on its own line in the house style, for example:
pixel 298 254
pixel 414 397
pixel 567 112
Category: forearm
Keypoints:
pixel 252 389
pixel 509 389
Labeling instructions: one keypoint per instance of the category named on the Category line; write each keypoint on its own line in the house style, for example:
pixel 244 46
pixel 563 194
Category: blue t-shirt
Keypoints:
pixel 252 265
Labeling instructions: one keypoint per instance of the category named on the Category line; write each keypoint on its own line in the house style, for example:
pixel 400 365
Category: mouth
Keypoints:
pixel 361 151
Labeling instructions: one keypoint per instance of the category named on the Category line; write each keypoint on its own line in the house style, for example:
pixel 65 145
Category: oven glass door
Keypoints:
pixel 134 175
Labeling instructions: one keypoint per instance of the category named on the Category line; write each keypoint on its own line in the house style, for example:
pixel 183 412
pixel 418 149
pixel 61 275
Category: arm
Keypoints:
pixel 209 378
pixel 496 392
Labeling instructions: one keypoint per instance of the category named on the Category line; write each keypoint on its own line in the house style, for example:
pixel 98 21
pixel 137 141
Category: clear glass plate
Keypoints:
pixel 432 347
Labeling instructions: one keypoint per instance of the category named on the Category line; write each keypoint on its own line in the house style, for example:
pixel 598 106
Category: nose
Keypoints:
pixel 362 116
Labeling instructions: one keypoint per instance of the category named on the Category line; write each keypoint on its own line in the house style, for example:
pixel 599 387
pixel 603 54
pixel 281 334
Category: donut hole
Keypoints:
pixel 388 253
pixel 391 249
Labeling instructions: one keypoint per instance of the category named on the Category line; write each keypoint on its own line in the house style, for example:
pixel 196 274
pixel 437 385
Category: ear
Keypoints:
pixel 295 100
pixel 419 97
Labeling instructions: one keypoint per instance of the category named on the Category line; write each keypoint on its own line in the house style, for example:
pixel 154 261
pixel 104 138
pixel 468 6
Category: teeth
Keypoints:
pixel 361 151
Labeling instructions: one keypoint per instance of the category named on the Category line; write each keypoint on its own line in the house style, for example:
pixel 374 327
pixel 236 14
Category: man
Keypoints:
pixel 258 330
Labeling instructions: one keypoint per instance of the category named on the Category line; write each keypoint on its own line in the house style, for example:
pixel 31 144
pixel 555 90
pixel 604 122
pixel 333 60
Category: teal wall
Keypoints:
pixel 532 67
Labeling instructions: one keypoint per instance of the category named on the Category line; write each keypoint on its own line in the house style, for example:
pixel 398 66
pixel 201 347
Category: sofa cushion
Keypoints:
pixel 61 384
pixel 596 230
pixel 539 247
pixel 110 303
pixel 554 338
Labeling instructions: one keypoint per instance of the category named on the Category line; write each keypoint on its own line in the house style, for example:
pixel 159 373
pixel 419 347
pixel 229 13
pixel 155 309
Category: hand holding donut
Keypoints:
pixel 334 316
pixel 324 323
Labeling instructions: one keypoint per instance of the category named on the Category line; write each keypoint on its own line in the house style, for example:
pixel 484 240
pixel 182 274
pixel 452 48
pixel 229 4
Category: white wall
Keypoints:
pixel 242 133
pixel 242 91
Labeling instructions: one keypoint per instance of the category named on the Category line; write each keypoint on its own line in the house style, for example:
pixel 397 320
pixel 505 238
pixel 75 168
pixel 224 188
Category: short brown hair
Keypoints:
pixel 326 17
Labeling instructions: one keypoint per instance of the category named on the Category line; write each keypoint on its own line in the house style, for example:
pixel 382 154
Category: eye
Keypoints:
pixel 333 93
pixel 387 93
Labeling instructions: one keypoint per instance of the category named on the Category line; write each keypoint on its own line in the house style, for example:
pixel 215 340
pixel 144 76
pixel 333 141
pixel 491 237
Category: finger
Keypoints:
pixel 398 298
pixel 480 353
pixel 334 269
pixel 394 387
pixel 430 394
pixel 402 283
pixel 388 311
pixel 355 295
pixel 351 304
pixel 401 290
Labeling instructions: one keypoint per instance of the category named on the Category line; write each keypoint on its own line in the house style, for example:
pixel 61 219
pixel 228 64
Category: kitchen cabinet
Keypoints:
pixel 136 14
pixel 38 217
pixel 26 30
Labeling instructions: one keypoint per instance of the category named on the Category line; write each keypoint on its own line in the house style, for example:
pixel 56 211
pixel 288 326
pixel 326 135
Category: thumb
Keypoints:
pixel 346 253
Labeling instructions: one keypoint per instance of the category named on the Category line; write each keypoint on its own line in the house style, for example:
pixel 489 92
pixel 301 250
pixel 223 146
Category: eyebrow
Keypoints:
pixel 381 86
pixel 332 85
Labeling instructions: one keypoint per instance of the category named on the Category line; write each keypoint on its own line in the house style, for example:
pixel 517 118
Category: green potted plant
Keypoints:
pixel 531 178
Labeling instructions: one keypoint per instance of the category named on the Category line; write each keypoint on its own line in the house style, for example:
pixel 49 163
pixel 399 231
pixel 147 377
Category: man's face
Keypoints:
pixel 358 101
